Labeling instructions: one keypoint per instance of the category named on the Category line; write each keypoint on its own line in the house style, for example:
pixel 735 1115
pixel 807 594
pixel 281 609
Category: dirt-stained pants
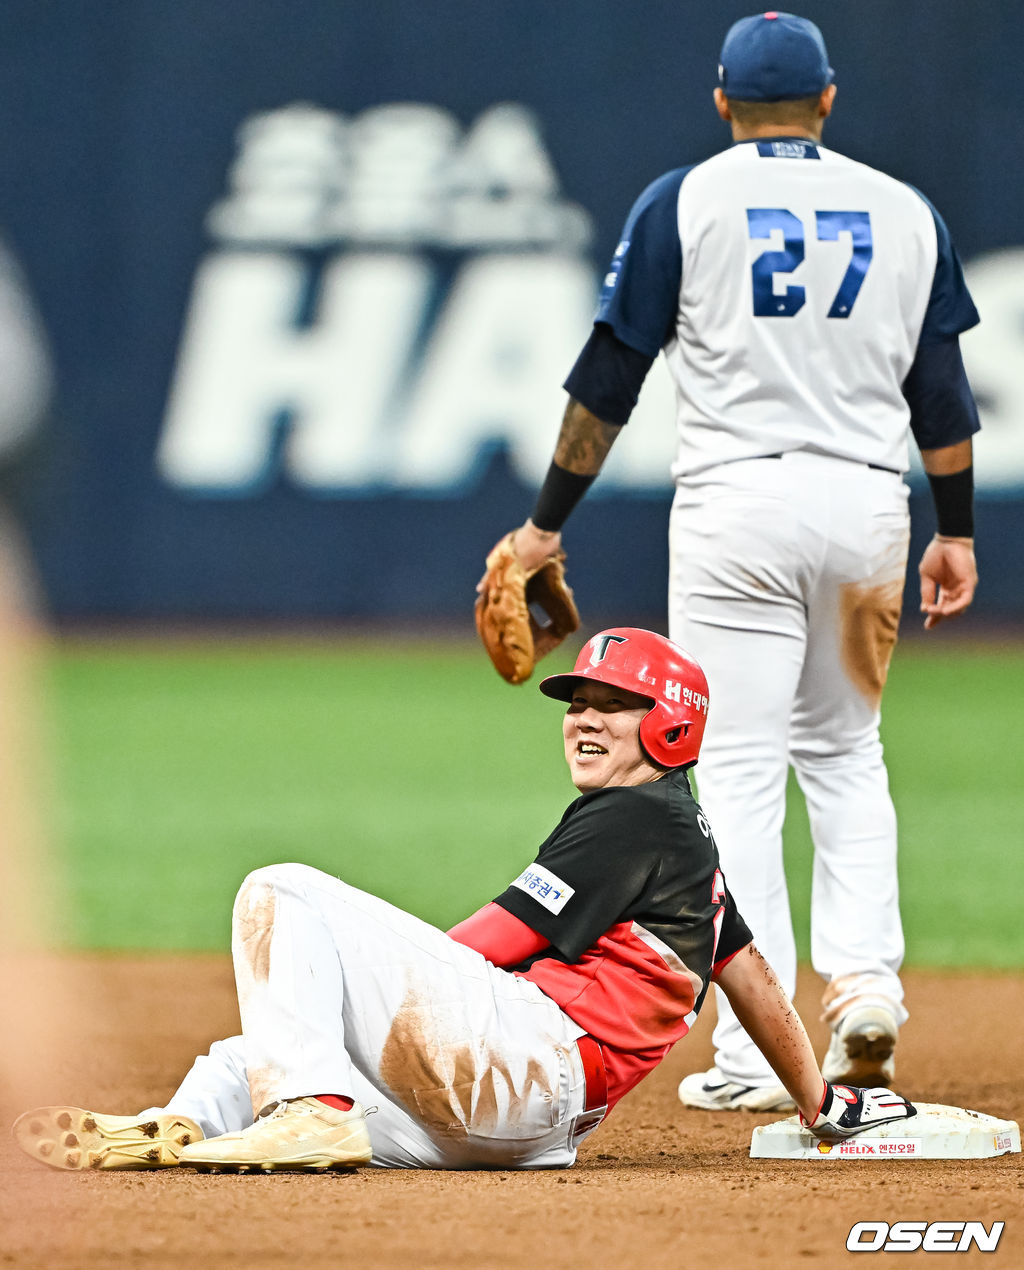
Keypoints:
pixel 339 992
pixel 786 584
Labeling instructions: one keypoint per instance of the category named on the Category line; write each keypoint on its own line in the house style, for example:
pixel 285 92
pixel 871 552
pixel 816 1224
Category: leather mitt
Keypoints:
pixel 514 638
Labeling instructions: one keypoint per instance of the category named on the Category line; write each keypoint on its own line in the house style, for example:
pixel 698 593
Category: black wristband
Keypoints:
pixel 954 503
pixel 558 495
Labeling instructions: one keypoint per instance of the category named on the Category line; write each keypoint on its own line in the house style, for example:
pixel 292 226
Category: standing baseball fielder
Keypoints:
pixel 809 309
pixel 505 1042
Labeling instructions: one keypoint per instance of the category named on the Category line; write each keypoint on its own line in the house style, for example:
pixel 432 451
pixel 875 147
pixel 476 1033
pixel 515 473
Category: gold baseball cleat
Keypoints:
pixel 72 1138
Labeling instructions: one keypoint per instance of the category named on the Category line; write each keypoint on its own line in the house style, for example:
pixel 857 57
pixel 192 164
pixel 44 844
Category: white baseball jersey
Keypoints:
pixel 789 288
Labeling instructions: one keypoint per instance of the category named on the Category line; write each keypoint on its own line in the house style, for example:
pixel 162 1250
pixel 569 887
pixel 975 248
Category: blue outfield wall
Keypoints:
pixel 313 274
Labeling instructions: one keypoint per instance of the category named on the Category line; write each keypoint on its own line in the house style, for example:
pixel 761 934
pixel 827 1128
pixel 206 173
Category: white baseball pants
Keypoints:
pixel 339 992
pixel 786 583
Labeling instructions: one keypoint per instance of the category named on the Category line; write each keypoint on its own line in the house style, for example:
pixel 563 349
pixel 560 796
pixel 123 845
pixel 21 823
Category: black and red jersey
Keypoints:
pixel 629 892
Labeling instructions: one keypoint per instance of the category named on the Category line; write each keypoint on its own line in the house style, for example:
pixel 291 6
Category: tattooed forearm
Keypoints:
pixel 584 440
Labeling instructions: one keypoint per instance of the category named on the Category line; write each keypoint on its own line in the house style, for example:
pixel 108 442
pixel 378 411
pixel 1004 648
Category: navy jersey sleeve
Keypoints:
pixel 608 376
pixel 950 309
pixel 640 294
pixel 942 407
pixel 587 873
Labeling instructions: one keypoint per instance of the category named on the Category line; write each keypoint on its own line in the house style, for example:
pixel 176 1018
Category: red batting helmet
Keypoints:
pixel 652 666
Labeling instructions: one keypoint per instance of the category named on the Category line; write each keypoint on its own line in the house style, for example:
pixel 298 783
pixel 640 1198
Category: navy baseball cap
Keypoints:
pixel 773 57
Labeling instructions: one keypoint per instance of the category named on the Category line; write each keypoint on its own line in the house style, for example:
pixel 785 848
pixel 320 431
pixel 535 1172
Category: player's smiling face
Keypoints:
pixel 601 730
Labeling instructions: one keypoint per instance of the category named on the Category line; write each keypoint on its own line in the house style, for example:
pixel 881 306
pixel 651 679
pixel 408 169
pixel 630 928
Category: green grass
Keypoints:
pixel 411 770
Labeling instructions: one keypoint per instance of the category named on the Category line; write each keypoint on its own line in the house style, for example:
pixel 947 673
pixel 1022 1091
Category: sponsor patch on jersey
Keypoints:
pixel 547 889
pixel 790 149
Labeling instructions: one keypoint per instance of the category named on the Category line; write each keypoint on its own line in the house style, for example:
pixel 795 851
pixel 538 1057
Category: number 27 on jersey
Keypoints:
pixel 762 221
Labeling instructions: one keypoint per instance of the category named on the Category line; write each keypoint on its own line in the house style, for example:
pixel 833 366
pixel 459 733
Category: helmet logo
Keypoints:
pixel 696 699
pixel 601 643
pixel 673 689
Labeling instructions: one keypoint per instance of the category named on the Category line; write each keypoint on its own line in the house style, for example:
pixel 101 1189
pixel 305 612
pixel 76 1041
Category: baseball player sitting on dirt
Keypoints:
pixel 370 1037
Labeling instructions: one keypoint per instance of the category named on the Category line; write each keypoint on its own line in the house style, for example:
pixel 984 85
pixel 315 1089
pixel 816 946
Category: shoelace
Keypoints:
pixel 281 1108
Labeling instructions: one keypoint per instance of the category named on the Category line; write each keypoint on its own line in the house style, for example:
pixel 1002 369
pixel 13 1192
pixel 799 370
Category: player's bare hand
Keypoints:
pixel 949 576
pixel 533 546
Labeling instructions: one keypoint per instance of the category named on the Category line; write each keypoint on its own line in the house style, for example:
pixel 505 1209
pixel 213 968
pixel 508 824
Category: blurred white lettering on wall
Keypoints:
pixel 386 298
pixel 994 359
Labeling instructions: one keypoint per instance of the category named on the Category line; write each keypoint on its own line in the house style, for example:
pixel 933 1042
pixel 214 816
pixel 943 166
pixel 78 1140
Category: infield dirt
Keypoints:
pixel 656 1186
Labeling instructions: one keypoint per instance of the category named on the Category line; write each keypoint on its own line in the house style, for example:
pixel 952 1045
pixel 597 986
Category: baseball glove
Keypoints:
pixel 515 640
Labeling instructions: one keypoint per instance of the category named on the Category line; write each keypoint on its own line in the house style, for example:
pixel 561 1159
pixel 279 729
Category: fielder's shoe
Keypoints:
pixel 71 1138
pixel 861 1049
pixel 711 1091
pixel 299 1134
